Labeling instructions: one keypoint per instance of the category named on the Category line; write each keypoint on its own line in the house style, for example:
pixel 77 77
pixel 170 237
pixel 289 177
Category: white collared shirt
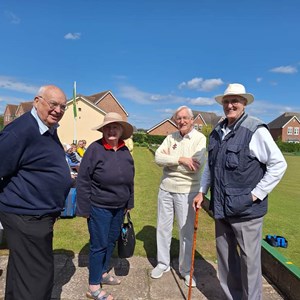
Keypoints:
pixel 42 127
pixel 263 147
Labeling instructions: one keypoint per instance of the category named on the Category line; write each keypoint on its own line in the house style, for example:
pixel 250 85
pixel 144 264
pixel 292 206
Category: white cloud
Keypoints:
pixel 14 85
pixel 202 101
pixel 13 19
pixel 267 110
pixel 133 94
pixel 259 79
pixel 285 70
pixel 201 84
pixel 73 36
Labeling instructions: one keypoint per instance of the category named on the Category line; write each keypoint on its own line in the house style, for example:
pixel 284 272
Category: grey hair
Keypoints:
pixel 42 90
pixel 190 112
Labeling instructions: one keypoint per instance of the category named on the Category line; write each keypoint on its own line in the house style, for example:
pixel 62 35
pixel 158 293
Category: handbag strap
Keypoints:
pixel 127 215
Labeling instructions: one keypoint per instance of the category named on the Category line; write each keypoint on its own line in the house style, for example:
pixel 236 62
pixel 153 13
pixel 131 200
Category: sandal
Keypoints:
pixel 96 295
pixel 110 280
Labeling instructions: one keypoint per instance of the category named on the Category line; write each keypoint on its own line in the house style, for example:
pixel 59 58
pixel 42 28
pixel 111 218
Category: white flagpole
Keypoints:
pixel 74 114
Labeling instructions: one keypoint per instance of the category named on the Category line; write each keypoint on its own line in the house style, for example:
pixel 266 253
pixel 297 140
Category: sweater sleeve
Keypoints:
pixel 162 154
pixel 165 157
pixel 84 185
pixel 9 163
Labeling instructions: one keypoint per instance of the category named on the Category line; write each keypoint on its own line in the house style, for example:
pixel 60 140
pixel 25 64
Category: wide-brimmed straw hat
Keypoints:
pixel 113 117
pixel 236 89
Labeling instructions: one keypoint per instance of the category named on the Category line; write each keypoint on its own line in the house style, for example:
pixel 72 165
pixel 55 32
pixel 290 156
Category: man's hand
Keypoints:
pixel 191 163
pixel 198 201
pixel 254 198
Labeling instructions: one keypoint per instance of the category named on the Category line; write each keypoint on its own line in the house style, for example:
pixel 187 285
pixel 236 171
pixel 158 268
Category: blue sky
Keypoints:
pixel 153 55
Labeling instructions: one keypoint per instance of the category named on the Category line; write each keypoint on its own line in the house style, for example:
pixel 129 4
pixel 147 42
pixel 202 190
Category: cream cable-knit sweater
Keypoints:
pixel 176 177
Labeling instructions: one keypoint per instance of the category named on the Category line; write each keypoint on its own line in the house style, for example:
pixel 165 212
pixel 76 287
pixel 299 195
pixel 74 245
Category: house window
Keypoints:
pixel 296 130
pixel 290 131
pixel 196 126
pixel 200 127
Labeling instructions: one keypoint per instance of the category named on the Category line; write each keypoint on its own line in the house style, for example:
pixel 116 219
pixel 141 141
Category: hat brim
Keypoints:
pixel 248 97
pixel 127 128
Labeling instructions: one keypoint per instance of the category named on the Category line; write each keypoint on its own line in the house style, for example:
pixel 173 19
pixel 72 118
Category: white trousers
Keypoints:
pixel 180 205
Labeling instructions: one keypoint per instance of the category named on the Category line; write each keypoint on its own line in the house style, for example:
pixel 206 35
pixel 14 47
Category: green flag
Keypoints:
pixel 74 101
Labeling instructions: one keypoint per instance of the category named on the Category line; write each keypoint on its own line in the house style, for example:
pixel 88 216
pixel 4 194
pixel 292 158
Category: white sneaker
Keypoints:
pixel 187 281
pixel 157 272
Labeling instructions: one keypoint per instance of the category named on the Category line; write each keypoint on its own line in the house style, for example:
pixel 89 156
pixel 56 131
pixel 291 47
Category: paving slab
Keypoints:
pixel 71 280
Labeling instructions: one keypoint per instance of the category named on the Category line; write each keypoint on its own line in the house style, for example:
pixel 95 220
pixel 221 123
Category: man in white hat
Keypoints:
pixel 244 165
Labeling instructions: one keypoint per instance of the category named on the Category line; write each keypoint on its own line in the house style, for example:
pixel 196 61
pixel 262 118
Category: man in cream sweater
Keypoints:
pixel 182 154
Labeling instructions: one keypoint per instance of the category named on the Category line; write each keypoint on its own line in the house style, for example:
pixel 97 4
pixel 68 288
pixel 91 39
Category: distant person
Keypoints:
pixel 74 148
pixel 104 193
pixel 244 165
pixel 84 144
pixel 80 148
pixel 35 183
pixel 182 154
pixel 71 157
pixel 129 144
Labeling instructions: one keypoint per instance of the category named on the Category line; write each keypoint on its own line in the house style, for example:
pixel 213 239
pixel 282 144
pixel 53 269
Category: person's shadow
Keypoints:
pixel 204 272
pixel 83 256
pixel 121 266
pixel 64 269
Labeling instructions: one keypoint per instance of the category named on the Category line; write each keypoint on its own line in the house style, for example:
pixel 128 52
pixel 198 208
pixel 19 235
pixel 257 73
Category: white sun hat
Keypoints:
pixel 235 89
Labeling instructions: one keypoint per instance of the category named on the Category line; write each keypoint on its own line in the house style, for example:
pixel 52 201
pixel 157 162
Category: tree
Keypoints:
pixel 1 122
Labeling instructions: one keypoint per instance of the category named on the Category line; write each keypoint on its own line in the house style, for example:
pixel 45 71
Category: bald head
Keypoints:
pixel 50 103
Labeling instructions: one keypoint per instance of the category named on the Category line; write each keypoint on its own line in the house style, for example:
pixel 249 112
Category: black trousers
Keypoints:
pixel 30 269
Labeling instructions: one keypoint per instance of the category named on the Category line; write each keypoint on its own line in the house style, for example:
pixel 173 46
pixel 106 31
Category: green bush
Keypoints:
pixel 145 140
pixel 288 147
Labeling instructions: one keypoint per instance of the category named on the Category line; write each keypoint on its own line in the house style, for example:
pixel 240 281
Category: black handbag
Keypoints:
pixel 126 241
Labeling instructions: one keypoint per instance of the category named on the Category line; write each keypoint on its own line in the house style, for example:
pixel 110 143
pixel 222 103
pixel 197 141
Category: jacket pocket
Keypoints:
pixel 232 156
pixel 238 202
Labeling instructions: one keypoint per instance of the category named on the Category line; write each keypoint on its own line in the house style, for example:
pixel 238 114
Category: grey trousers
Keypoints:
pixel 180 205
pixel 239 257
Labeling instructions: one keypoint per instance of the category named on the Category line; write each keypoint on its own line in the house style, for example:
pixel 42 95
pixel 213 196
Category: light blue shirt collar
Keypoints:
pixel 42 127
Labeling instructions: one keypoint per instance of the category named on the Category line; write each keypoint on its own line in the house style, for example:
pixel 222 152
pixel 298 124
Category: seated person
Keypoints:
pixel 74 148
pixel 80 148
pixel 71 158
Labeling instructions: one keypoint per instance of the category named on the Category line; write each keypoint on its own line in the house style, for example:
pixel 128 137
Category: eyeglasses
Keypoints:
pixel 183 118
pixel 233 102
pixel 53 104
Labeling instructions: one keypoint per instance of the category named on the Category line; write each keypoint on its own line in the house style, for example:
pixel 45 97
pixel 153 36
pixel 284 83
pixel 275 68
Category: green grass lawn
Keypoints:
pixel 71 235
pixel 284 210
pixel 282 218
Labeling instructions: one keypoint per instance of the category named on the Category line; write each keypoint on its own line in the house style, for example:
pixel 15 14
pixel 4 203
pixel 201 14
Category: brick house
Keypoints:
pixel 23 108
pixel 90 113
pixel 200 119
pixel 286 127
pixel 9 113
pixel 13 111
pixel 165 127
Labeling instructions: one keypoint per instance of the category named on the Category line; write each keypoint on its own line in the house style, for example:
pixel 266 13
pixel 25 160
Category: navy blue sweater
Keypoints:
pixel 105 179
pixel 34 175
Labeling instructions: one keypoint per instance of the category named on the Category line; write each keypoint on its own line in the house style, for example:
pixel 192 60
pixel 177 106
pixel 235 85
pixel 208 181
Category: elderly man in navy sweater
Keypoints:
pixel 34 182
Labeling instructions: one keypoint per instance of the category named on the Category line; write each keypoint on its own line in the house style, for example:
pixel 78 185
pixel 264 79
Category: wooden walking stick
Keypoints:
pixel 193 253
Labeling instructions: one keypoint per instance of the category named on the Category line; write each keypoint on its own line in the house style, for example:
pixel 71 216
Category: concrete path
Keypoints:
pixel 71 275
